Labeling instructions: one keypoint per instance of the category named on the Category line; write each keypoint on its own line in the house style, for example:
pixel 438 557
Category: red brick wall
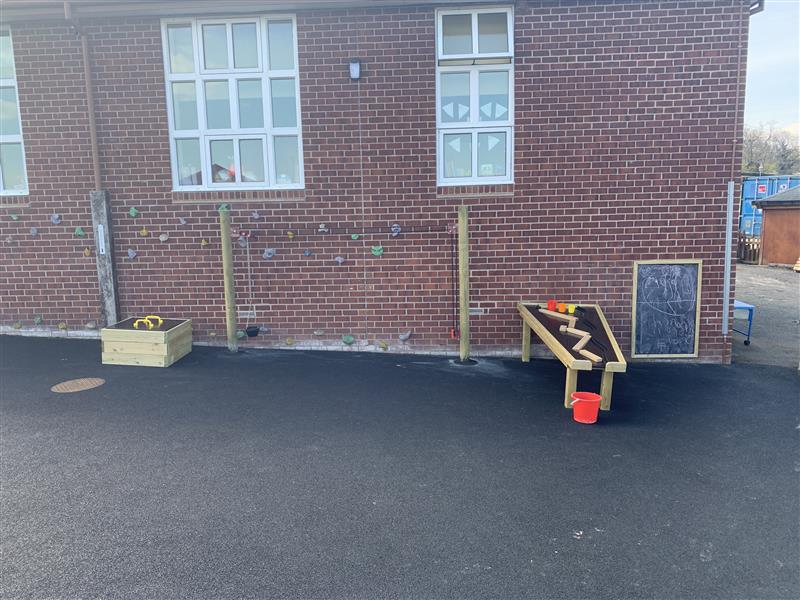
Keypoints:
pixel 625 120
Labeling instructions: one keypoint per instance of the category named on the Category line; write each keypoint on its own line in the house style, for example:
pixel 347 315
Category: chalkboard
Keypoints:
pixel 666 314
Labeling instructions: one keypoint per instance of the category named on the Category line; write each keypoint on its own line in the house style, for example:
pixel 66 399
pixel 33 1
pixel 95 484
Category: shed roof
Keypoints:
pixel 790 197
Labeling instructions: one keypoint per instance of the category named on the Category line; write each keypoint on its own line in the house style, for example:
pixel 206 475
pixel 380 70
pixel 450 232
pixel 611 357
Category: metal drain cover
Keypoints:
pixel 77 385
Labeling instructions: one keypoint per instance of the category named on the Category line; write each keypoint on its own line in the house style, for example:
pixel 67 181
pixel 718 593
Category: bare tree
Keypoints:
pixel 770 151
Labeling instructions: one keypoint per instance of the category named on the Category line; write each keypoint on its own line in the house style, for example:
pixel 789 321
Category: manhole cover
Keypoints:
pixel 77 385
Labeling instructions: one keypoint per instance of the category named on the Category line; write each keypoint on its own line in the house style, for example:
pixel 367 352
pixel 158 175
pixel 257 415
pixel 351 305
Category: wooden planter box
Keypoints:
pixel 157 347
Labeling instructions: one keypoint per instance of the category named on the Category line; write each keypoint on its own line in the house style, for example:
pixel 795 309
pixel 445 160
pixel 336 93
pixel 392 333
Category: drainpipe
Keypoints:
pixel 98 197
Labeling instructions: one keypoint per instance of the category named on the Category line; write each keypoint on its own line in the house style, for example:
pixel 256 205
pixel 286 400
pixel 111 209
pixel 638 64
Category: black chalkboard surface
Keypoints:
pixel 666 314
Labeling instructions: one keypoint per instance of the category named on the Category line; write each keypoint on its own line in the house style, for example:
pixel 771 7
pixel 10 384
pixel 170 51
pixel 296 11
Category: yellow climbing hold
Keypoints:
pixel 289 341
pixel 87 252
pixel 143 232
pixel 204 243
pixel 62 326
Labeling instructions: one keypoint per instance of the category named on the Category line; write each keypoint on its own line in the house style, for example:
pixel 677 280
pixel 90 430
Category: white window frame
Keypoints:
pixel 232 75
pixel 15 138
pixel 474 64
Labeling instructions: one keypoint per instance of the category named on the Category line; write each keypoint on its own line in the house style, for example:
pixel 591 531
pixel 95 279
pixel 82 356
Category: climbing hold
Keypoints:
pixel 55 218
pixel 264 329
pixel 14 217
pixel 289 341
pixel 203 243
pixel 87 252
pixel 323 228
pixel 91 325
pixel 255 215
pixel 131 253
pixel 348 340
pixel 79 232
pixel 240 334
pixel 290 234
pixel 17 325
pixel 242 241
pixel 268 253
pixel 133 212
pixel 307 253
pixel 62 326
pixel 212 334
pixel 9 240
pixel 339 260
pixel 383 345
pixel 163 237
pixel 34 231
pixel 37 320
pixel 396 229
pixel 143 232
pixel 404 337
pixel 319 332
pixel 183 220
pixel 377 251
pixel 355 236
pixel 223 208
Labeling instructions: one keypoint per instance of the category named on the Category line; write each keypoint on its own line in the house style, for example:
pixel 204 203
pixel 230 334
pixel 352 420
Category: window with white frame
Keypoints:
pixel 474 96
pixel 233 103
pixel 13 178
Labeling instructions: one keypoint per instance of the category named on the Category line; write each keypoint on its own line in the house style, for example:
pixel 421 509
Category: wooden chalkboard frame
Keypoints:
pixel 677 261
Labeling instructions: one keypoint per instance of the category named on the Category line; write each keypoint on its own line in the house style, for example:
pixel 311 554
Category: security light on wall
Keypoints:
pixel 355 69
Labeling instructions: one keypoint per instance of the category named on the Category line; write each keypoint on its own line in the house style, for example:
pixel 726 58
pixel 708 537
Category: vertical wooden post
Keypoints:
pixel 572 385
pixel 227 272
pixel 606 384
pixel 463 281
pixel 526 342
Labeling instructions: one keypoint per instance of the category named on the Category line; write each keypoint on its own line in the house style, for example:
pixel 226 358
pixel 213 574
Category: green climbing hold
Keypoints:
pixel 355 236
pixel 223 208
pixel 79 232
pixel 377 251
pixel 14 217
pixel 133 212
pixel 240 334
pixel 348 340
pixel 37 320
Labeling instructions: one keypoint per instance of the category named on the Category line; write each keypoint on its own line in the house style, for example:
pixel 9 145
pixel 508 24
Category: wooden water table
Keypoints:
pixel 581 341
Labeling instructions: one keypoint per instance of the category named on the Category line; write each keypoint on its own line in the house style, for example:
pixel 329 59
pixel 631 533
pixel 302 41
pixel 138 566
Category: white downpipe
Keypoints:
pixel 726 283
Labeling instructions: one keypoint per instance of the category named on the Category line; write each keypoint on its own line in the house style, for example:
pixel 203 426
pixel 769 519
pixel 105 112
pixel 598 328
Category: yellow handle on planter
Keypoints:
pixel 156 317
pixel 145 321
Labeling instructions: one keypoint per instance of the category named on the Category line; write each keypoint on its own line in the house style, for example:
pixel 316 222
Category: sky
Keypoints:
pixel 773 66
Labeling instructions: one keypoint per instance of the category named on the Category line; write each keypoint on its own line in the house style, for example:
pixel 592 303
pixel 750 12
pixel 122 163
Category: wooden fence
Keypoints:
pixel 748 249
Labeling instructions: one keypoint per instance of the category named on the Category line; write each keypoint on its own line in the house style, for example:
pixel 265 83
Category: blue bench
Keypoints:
pixel 737 305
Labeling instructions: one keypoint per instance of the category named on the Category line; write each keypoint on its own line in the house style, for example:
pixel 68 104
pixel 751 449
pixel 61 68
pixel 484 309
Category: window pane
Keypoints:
pixel 6 57
pixel 223 164
pixel 287 163
pixel 493 99
pixel 215 46
pixel 13 167
pixel 251 106
pixel 281 45
pixel 184 105
pixel 492 33
pixel 245 47
pixel 492 154
pixel 457 34
pixel 455 97
pixel 284 105
pixel 458 155
pixel 181 53
pixel 190 171
pixel 218 107
pixel 9 113
pixel 251 155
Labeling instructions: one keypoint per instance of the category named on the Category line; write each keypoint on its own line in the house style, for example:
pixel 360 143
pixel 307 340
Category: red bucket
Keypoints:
pixel 585 406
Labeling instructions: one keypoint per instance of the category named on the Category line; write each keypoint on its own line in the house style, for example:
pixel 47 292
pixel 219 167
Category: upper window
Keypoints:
pixel 474 95
pixel 233 103
pixel 13 179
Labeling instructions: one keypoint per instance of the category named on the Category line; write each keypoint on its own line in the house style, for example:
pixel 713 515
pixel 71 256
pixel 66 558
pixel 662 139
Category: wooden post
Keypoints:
pixel 463 281
pixel 526 342
pixel 572 385
pixel 606 382
pixel 227 272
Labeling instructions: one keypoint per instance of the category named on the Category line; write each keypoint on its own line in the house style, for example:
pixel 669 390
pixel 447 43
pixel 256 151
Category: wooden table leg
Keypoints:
pixel 605 390
pixel 526 342
pixel 572 385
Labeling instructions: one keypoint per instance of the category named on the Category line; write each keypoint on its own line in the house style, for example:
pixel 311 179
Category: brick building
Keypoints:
pixel 583 135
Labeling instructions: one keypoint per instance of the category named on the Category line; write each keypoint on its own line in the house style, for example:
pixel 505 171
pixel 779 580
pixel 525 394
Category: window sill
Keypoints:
pixel 234 196
pixel 476 191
